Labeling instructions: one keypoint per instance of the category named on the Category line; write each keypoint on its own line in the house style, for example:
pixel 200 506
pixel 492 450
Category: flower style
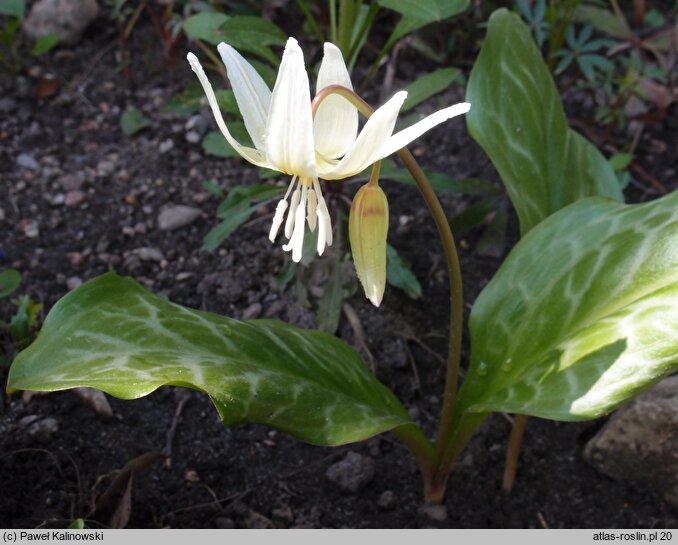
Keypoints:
pixel 288 138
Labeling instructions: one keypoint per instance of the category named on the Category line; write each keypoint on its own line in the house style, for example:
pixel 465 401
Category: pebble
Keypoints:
pixel 29 228
pixel 40 429
pixel 640 441
pixel 24 160
pixel 252 312
pixel 437 513
pixel 198 124
pixel 7 105
pixel 352 473
pixel 178 216
pixel 67 18
pixel 74 198
pixel 2 215
pixel 105 168
pixel 75 258
pixel 224 523
pixel 71 182
pixel 166 145
pixel 386 500
pixel 193 137
pixel 73 282
pixel 148 253
pixel 283 514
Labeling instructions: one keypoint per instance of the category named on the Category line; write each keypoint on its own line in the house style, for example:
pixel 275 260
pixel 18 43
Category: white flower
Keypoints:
pixel 287 138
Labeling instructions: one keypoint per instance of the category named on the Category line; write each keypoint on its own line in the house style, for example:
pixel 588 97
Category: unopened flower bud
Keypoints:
pixel 367 230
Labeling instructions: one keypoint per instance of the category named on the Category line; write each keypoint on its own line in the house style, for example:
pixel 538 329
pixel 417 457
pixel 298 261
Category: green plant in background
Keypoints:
pixel 12 12
pixel 25 319
pixel 581 316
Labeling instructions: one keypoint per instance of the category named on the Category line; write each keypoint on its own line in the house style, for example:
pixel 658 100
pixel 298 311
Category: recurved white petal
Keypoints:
pixel 251 93
pixel 403 138
pixel 254 156
pixel 336 122
pixel 367 147
pixel 289 129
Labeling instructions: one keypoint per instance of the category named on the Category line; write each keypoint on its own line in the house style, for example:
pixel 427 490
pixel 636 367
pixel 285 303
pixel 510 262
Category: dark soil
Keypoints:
pixel 248 476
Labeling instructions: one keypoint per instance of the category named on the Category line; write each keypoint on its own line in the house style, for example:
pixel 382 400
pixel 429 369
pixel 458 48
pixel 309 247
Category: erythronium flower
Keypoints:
pixel 289 139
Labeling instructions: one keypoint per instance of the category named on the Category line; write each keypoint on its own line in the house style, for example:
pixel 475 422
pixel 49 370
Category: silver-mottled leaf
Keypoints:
pixel 114 335
pixel 582 315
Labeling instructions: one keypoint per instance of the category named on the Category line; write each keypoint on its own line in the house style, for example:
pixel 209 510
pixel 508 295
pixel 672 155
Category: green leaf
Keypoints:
pixel 214 142
pixel 9 282
pixel 236 210
pixel 13 8
pixel 440 182
pixel 427 86
pixel 329 307
pixel 206 26
pixel 45 43
pixel 254 34
pixel 603 20
pixel 472 216
pixel 133 121
pixel 419 13
pixel 582 315
pixel 399 274
pixel 247 194
pixel 493 240
pixel 114 335
pixel 619 161
pixel 517 117
pixel 191 99
pixel 213 187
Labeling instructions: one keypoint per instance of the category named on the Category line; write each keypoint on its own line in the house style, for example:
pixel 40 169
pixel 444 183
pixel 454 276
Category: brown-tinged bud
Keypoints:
pixel 367 230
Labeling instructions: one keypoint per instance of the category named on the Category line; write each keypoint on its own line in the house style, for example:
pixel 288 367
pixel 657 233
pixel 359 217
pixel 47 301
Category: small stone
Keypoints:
pixel 224 523
pixel 191 476
pixel 166 145
pixel 386 500
pixel 105 168
pixel 252 312
pixel 74 198
pixel 437 513
pixel 193 137
pixel 56 200
pixel 73 282
pixel 640 441
pixel 148 253
pixel 177 216
pixel 40 429
pixel 29 228
pixel 283 514
pixel 67 18
pixel 2 215
pixel 7 105
pixel 352 473
pixel 183 276
pixel 198 124
pixel 24 160
pixel 71 182
pixel 257 521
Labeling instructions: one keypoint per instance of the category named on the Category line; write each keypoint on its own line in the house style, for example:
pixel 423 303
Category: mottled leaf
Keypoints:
pixel 114 335
pixel 582 315
pixel 518 119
